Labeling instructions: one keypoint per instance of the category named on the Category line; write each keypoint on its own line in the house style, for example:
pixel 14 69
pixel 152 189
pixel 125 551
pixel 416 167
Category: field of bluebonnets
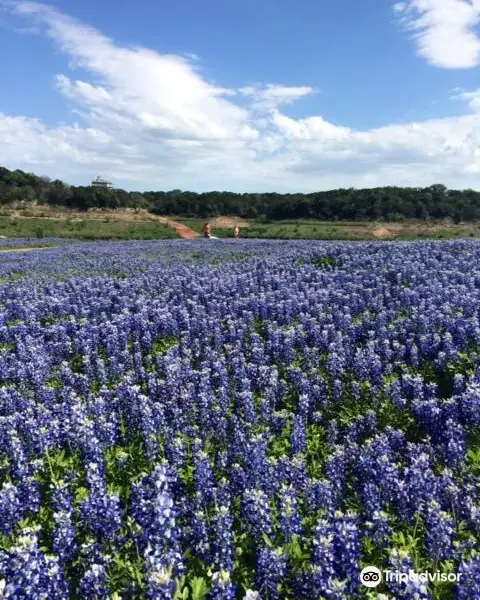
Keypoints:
pixel 239 419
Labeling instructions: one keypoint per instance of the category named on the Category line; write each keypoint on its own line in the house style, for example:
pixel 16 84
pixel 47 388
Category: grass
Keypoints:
pixel 345 230
pixel 86 229
pixel 197 225
pixel 289 230
pixel 29 246
pixel 120 225
pixel 304 230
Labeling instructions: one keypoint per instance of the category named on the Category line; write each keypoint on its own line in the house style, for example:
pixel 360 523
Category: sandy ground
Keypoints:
pixel 227 222
pixel 29 249
pixel 46 212
pixel 182 230
pixel 132 215
pixel 385 232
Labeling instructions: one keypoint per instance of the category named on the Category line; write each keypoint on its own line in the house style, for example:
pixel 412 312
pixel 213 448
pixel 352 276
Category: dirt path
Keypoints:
pixel 183 231
pixel 29 249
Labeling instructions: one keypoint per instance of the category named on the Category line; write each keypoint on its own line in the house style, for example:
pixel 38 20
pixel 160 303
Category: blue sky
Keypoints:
pixel 246 95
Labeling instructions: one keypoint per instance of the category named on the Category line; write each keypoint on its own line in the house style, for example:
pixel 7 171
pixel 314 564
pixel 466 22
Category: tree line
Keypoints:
pixel 382 203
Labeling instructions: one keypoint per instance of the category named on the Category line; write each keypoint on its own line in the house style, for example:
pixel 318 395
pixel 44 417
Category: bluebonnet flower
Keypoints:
pixel 64 543
pixel 440 533
pixel 297 473
pixel 428 414
pixel 29 573
pixel 257 512
pixel 470 404
pixel 152 505
pixel 337 390
pixel 237 384
pixel 346 543
pixel 320 496
pixel 160 583
pixel 420 482
pixel 302 583
pixel 222 586
pixel 270 569
pixel 455 444
pixel 200 535
pixel 413 386
pixel 333 431
pixel 337 590
pixel 221 462
pixel 372 500
pixel 412 588
pixel 379 529
pixel 93 584
pixel 238 480
pixel 459 384
pixel 396 439
pixel 335 362
pixel 204 482
pixel 16 453
pixel 290 522
pixel 324 559
pixel 257 474
pixel 468 586
pixel 101 511
pixel 336 470
pixel 11 510
pixel 299 435
pixel 251 595
pixel 223 555
pixel 29 494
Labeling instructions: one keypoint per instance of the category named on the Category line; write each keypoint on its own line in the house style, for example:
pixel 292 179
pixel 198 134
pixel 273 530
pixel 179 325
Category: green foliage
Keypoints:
pixel 321 262
pixel 199 587
pixel 163 344
pixel 90 229
pixel 7 346
pixel 296 553
pixel 182 591
pixel 77 363
pixel 382 203
pixel 15 276
pixel 15 322
pixel 324 261
pixel 473 461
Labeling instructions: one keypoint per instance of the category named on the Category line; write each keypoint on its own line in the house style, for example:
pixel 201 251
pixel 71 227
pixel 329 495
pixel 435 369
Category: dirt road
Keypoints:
pixel 182 230
pixel 27 248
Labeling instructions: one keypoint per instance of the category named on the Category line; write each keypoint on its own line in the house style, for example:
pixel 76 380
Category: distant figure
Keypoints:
pixel 236 232
pixel 207 230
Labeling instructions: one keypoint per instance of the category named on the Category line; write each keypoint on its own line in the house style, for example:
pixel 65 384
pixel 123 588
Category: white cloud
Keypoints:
pixel 311 128
pixel 142 82
pixel 471 98
pixel 400 7
pixel 153 121
pixel 444 30
pixel 271 96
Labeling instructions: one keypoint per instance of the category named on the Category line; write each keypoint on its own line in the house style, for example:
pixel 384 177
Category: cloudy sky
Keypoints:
pixel 242 95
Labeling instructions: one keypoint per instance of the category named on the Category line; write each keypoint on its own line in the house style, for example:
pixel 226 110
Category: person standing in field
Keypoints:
pixel 236 231
pixel 207 230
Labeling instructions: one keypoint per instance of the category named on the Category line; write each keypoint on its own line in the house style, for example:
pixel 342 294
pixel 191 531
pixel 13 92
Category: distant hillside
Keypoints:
pixel 383 203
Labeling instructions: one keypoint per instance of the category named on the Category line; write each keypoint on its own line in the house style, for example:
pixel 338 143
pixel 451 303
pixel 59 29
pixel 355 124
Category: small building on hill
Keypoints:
pixel 98 182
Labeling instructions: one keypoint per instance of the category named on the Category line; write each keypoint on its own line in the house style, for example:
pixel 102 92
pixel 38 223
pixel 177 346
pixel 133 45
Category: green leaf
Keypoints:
pixel 267 540
pixel 199 588
pixel 181 589
pixel 81 494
